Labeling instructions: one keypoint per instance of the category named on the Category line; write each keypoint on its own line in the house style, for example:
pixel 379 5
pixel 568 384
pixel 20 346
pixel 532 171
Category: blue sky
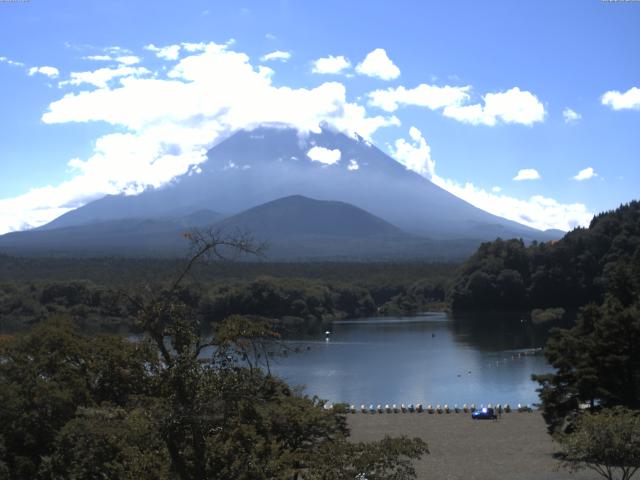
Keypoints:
pixel 539 90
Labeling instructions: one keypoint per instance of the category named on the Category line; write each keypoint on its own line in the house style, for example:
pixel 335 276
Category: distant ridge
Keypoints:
pixel 254 167
pixel 294 228
pixel 299 215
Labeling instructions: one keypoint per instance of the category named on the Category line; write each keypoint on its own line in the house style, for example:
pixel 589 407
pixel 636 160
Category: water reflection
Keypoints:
pixel 426 359
pixel 494 331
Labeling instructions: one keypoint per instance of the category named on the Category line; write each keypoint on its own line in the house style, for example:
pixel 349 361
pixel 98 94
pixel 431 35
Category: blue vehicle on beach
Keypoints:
pixel 485 413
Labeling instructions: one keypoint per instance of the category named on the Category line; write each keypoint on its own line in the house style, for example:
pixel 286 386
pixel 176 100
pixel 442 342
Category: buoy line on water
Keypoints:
pixel 429 409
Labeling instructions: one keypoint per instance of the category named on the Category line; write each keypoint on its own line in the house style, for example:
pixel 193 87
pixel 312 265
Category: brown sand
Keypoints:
pixel 516 447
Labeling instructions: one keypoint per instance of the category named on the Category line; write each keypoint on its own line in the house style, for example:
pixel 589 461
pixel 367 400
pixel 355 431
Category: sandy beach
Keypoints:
pixel 516 447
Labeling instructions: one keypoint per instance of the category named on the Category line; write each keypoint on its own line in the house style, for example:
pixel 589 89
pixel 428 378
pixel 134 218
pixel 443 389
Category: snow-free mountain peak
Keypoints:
pixel 251 168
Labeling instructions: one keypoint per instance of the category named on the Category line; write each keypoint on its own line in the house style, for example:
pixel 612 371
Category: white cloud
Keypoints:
pixel 423 95
pixel 570 116
pixel 585 174
pixel 622 101
pixel 331 65
pixel 277 55
pixel 122 59
pixel 167 120
pixel 128 59
pixel 101 77
pixel 99 58
pixel 352 118
pixel 378 64
pixel 265 72
pixel 415 155
pixel 116 50
pixel 537 211
pixel 324 155
pixel 13 63
pixel 198 47
pixel 51 72
pixel 512 106
pixel 170 52
pixel 527 174
pixel 241 98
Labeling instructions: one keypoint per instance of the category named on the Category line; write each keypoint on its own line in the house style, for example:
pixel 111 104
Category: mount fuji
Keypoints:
pixel 291 189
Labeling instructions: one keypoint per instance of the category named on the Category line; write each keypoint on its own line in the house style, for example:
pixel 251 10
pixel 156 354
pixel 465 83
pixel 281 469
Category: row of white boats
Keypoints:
pixel 438 409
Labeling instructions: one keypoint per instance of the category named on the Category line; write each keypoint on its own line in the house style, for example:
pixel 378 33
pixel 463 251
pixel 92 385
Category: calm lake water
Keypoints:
pixel 428 359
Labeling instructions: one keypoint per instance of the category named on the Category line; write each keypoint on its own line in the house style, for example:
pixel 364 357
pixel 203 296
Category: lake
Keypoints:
pixel 428 359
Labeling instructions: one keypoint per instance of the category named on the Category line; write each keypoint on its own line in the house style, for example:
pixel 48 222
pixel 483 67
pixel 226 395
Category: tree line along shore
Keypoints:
pixel 90 404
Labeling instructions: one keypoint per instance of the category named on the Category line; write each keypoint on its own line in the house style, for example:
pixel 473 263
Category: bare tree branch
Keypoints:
pixel 211 242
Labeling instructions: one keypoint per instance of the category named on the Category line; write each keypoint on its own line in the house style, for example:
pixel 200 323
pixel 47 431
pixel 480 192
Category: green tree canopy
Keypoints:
pixel 180 404
pixel 607 442
pixel 576 270
pixel 47 374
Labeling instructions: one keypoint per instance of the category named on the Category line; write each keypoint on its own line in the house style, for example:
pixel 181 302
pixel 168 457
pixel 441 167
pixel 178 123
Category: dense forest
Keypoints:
pixel 572 272
pixel 591 401
pixel 98 406
pixel 543 280
pixel 593 273
pixel 301 297
pixel 122 272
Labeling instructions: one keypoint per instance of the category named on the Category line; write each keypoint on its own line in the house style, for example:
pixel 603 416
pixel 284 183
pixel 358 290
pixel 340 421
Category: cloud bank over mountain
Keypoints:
pixel 167 111
pixel 537 211
pixel 511 106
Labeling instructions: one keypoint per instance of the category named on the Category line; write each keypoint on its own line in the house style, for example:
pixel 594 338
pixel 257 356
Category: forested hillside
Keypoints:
pixel 594 273
pixel 576 270
pixel 299 302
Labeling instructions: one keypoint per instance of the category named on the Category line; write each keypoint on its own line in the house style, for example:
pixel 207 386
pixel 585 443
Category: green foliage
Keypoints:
pixel 388 459
pixel 298 304
pixel 268 432
pixel 596 270
pixel 541 315
pixel 47 374
pixel 221 418
pixel 607 442
pixel 132 272
pixel 420 296
pixel 597 362
pixel 276 298
pixel 493 278
pixel 108 443
pixel 85 407
pixel 91 306
pixel 179 404
pixel 576 270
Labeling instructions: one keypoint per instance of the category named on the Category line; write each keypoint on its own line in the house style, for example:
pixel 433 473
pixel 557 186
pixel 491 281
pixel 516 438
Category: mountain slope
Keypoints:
pixel 127 236
pixel 294 228
pixel 298 215
pixel 300 228
pixel 254 167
